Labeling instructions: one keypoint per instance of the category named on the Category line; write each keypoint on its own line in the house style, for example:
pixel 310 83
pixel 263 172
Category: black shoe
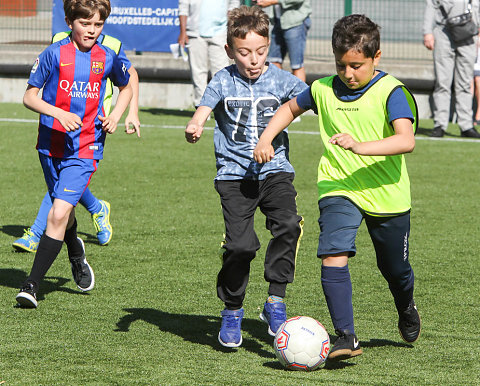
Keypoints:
pixel 346 346
pixel 81 271
pixel 409 324
pixel 470 133
pixel 437 132
pixel 27 297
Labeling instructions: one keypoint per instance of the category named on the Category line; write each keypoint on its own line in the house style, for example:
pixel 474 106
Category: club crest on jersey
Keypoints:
pixel 97 67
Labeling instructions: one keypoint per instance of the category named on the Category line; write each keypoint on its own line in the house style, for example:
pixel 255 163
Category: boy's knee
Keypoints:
pixel 293 225
pixel 59 215
pixel 239 251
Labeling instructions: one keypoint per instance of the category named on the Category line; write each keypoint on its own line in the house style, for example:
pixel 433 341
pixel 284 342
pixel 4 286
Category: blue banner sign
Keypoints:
pixel 141 25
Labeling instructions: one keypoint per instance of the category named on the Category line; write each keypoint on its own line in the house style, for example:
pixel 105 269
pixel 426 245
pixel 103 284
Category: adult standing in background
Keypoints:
pixel 453 62
pixel 203 26
pixel 290 20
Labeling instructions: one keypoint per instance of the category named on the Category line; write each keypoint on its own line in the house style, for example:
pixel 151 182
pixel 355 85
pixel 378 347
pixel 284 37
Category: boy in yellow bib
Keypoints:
pixel 367 120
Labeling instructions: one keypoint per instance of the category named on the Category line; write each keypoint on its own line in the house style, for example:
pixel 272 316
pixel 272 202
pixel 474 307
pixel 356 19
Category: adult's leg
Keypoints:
pixel 464 63
pixel 198 59
pixel 444 66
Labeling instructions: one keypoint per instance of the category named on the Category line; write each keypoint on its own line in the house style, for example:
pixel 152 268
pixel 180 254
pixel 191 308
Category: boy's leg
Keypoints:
pixel 241 242
pixel 66 179
pixel 277 202
pixel 29 241
pixel 239 201
pixel 48 250
pixel 390 239
pixel 339 221
pixel 100 211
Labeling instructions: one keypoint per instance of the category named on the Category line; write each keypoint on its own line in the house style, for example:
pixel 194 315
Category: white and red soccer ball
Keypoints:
pixel 302 343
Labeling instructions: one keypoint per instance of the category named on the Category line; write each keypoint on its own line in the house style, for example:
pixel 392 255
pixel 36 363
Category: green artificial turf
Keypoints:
pixel 153 316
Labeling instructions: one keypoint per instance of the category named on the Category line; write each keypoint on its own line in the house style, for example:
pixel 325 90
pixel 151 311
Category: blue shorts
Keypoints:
pixel 339 222
pixel 67 178
pixel 291 40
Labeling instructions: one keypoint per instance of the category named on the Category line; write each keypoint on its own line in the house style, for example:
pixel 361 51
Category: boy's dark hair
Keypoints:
pixel 85 9
pixel 356 32
pixel 243 20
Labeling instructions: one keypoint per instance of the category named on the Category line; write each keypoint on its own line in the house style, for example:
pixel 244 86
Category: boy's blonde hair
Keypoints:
pixel 245 19
pixel 85 9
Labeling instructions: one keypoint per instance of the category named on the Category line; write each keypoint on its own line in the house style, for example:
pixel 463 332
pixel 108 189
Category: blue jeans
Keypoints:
pixel 291 40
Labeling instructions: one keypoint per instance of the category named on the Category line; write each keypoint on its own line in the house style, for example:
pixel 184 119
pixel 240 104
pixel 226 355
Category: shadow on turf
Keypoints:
pixel 17 231
pixel 180 113
pixel 14 230
pixel 428 132
pixel 200 329
pixel 13 278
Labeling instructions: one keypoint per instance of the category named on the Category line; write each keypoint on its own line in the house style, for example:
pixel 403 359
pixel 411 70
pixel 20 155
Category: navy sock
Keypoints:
pixel 47 252
pixel 337 288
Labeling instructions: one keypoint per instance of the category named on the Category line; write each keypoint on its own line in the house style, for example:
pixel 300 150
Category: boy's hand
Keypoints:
pixel 132 119
pixel 263 152
pixel 108 124
pixel 69 121
pixel 193 132
pixel 344 140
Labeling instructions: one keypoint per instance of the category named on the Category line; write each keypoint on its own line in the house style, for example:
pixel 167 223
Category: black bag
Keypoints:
pixel 461 27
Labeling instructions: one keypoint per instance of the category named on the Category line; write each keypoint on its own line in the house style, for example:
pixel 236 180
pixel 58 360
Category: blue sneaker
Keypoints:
pixel 101 222
pixel 28 242
pixel 230 334
pixel 274 314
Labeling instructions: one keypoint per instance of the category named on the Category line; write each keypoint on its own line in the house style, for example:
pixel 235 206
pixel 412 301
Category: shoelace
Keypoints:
pixel 79 268
pixel 99 221
pixel 27 233
pixel 232 321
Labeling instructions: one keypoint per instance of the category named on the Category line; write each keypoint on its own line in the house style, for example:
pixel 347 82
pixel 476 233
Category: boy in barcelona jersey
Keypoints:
pixel 367 120
pixel 73 74
pixel 244 97
pixel 99 209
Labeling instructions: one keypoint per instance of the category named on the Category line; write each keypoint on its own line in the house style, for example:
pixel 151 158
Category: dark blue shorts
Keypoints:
pixel 339 222
pixel 67 178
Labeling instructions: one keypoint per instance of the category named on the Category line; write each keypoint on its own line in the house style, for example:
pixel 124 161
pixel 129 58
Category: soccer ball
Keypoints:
pixel 302 343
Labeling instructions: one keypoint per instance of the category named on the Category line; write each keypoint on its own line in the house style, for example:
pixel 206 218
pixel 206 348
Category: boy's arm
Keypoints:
pixel 403 141
pixel 68 120
pixel 287 112
pixel 132 117
pixel 109 124
pixel 194 129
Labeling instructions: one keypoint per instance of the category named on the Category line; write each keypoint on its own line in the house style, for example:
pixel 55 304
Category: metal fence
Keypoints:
pixel 26 23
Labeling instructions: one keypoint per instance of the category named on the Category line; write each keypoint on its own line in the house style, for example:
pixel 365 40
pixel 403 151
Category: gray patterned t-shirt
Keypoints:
pixel 242 109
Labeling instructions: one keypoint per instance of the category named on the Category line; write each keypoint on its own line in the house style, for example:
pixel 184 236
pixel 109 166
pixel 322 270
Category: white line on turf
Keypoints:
pixel 457 139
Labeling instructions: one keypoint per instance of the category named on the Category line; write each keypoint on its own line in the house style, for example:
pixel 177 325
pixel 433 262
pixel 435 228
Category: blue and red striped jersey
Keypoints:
pixel 75 81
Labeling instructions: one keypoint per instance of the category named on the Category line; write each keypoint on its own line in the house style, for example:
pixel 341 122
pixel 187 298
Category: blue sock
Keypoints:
pixel 274 299
pixel 337 288
pixel 40 223
pixel 90 202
